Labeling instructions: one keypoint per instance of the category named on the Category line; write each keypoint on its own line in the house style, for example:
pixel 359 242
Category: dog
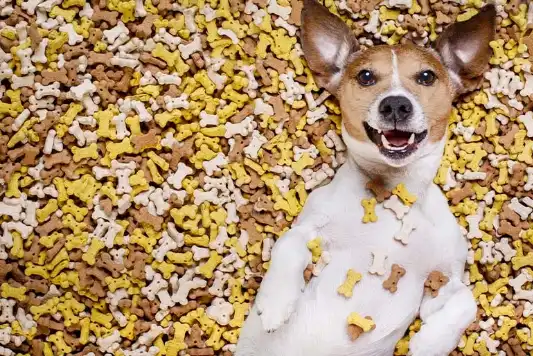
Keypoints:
pixel 395 103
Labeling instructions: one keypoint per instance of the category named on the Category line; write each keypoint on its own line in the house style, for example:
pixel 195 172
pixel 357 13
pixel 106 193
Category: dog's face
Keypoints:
pixel 395 100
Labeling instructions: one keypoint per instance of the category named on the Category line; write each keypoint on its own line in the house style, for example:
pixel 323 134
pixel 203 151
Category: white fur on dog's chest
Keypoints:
pixel 346 233
pixel 342 228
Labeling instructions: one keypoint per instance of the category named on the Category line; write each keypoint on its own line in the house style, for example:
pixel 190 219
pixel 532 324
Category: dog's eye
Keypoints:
pixel 426 77
pixel 366 78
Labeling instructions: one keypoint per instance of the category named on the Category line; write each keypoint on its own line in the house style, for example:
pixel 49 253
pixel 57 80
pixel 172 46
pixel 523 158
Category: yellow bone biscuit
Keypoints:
pixel 346 288
pixel 209 266
pixel 357 320
pixel 90 151
pixel 369 205
pixel 59 343
pixel 315 246
pixel 401 191
pixel 18 293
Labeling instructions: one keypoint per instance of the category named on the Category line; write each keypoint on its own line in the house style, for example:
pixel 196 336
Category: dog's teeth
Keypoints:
pixel 379 131
pixel 411 139
pixel 385 142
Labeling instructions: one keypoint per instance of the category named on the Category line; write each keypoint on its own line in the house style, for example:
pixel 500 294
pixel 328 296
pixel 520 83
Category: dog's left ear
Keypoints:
pixel 327 43
pixel 465 51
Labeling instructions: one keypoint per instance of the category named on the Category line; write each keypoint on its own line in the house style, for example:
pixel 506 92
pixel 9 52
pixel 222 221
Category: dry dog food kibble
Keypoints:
pixel 152 151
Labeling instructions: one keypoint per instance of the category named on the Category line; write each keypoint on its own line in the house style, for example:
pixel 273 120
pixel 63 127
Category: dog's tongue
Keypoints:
pixel 397 138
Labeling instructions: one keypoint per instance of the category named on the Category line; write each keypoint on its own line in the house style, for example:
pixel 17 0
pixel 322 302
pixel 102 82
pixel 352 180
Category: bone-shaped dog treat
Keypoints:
pixel 369 205
pixel 520 209
pixel 394 204
pixel 323 261
pixel 458 194
pixel 378 264
pixel 402 192
pixel 308 273
pixel 315 246
pixel 408 225
pixel 435 281
pixel 346 288
pixel 377 187
pixel 391 284
pixel 358 325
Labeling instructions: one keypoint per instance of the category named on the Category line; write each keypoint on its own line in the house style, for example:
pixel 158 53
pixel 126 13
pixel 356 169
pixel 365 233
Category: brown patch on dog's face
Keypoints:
pixel 435 100
pixel 355 99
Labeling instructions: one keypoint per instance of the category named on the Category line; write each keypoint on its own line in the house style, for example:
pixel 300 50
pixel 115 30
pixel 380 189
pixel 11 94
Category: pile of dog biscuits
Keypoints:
pixel 152 151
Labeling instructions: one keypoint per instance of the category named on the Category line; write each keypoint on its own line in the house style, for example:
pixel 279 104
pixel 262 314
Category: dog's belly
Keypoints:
pixel 318 327
pixel 322 312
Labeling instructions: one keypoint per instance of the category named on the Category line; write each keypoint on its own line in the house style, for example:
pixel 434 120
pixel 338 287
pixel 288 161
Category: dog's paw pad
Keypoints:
pixel 274 319
pixel 277 298
pixel 275 311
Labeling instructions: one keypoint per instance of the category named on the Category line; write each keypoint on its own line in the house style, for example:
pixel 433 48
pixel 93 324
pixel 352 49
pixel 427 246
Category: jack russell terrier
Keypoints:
pixel 395 102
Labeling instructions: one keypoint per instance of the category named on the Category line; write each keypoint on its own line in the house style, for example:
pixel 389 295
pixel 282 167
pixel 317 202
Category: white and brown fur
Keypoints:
pixel 290 318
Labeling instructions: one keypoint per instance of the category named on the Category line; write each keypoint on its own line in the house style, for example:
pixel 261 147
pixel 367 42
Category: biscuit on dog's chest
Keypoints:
pixel 399 201
pixel 369 205
pixel 346 288
pixel 435 281
pixel 391 283
pixel 315 246
pixel 379 190
pixel 402 193
pixel 394 204
pixel 378 262
pixel 408 225
pixel 358 325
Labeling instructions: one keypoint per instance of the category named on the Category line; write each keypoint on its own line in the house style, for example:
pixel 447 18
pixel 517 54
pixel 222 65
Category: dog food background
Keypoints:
pixel 152 152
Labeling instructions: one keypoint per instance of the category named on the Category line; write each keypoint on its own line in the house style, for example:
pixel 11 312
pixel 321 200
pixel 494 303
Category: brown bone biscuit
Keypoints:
pixel 435 281
pixel 391 283
pixel 377 187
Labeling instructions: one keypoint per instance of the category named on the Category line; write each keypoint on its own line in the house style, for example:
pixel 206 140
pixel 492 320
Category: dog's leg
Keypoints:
pixel 444 318
pixel 284 281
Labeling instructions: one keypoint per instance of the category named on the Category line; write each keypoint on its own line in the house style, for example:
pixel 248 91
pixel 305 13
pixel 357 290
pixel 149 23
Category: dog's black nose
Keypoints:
pixel 396 108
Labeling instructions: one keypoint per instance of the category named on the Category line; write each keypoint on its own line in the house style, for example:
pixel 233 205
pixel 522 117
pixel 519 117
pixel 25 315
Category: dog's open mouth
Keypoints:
pixel 395 144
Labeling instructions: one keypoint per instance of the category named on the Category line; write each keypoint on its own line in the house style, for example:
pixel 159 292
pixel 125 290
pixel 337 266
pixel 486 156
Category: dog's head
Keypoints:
pixel 395 100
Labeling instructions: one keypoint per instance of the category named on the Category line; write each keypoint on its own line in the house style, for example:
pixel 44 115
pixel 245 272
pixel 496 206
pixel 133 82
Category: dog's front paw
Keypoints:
pixel 276 302
pixel 431 341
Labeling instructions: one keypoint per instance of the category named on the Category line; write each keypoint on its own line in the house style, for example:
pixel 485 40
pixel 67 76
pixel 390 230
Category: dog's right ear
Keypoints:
pixel 465 48
pixel 327 43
